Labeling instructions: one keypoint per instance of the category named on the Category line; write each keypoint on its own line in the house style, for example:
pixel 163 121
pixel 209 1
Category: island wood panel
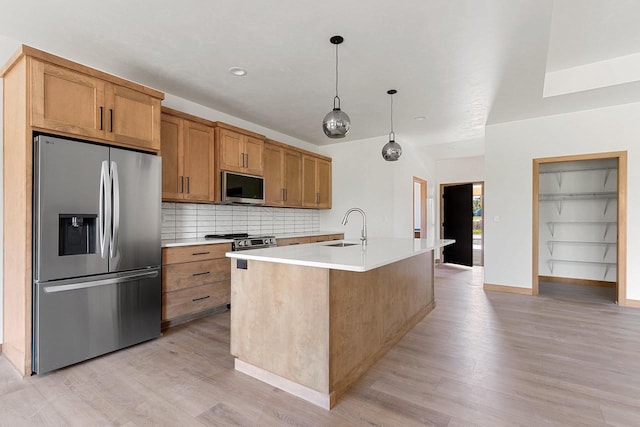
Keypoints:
pixel 371 311
pixel 17 172
pixel 280 321
pixel 189 274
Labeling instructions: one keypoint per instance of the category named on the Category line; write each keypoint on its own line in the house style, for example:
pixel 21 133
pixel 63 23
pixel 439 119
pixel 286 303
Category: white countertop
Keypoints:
pixel 376 253
pixel 169 243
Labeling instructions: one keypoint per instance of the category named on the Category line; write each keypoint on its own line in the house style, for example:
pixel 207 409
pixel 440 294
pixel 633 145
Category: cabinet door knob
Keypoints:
pixel 181 184
pixel 110 119
pixel 188 186
pixel 101 118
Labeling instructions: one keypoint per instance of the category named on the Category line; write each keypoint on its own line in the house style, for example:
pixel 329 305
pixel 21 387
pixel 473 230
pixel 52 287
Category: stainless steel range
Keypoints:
pixel 243 242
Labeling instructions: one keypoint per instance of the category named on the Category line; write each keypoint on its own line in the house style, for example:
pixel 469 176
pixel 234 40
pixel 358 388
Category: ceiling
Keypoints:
pixel 459 63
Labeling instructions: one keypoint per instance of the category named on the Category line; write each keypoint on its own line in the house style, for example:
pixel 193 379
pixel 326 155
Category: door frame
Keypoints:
pixel 442 186
pixel 621 246
pixel 423 207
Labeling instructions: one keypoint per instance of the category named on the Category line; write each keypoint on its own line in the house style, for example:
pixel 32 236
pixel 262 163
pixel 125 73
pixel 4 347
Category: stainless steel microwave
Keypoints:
pixel 241 188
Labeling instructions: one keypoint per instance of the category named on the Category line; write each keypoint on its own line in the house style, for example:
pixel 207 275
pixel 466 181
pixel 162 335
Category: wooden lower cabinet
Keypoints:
pixel 195 282
pixel 309 239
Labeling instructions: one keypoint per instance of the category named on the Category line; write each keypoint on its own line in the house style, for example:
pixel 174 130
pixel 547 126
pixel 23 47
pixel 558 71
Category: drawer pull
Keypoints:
pixel 200 299
pixel 201 274
pixel 201 253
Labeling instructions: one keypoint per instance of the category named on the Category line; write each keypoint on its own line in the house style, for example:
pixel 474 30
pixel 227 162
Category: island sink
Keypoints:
pixel 341 244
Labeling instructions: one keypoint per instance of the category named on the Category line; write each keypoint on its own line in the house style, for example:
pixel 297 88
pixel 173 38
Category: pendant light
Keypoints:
pixel 336 123
pixel 391 150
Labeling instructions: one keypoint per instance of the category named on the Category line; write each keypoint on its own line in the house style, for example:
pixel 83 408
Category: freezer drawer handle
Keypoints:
pixel 201 274
pixel 201 253
pixel 200 299
pixel 96 283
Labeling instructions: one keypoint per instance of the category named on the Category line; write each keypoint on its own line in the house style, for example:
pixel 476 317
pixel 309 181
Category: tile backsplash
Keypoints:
pixel 191 220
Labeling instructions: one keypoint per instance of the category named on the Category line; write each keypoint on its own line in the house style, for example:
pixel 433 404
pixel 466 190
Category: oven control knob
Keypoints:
pixel 241 243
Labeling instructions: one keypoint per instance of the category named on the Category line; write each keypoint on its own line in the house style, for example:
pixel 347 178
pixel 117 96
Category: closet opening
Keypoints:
pixel 579 227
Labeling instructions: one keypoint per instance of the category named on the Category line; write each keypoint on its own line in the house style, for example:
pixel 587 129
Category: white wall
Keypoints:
pixel 510 149
pixel 384 190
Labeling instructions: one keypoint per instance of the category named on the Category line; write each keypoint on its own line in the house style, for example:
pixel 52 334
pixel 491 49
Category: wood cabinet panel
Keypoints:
pixel 195 299
pixel 293 241
pixel 326 238
pixel 75 103
pixel 273 176
pixel 179 254
pixel 198 161
pixel 194 279
pixel 188 160
pixel 189 274
pixel 230 152
pixel 239 152
pixel 172 153
pixel 316 182
pixel 309 198
pixel 133 117
pixel 323 183
pixel 253 149
pixel 293 178
pixel 66 101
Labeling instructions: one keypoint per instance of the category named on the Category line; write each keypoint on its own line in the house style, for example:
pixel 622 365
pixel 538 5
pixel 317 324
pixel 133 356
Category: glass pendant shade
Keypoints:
pixel 336 123
pixel 391 150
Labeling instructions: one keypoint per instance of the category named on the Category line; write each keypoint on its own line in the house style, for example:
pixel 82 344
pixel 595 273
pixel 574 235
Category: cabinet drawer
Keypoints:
pixel 195 299
pixel 293 241
pixel 326 238
pixel 194 253
pixel 189 274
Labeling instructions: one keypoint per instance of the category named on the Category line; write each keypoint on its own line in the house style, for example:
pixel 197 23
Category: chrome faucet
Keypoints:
pixel 363 237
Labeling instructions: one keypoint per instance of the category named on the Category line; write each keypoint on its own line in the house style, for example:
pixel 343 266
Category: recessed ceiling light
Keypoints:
pixel 237 71
pixel 420 118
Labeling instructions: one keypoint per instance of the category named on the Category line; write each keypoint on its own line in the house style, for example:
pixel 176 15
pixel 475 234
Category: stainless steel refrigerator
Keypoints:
pixel 97 278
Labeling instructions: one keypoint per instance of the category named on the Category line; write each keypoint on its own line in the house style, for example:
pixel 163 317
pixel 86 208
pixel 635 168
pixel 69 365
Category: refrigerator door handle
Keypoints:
pixel 102 282
pixel 104 211
pixel 115 220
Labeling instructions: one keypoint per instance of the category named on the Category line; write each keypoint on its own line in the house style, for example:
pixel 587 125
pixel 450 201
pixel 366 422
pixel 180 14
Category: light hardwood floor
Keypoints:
pixel 480 358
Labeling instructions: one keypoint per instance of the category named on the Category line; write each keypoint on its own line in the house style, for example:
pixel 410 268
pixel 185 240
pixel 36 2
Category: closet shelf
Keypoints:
pixel 606 245
pixel 607 225
pixel 559 172
pixel 607 265
pixel 578 196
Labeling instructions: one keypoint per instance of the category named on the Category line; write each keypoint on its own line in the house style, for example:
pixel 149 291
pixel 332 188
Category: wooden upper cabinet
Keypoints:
pixel 239 152
pixel 253 149
pixel 66 101
pixel 187 159
pixel 133 117
pixel 316 182
pixel 172 152
pixel 198 161
pixel 292 178
pixel 282 176
pixel 80 104
pixel 273 175
pixel 323 177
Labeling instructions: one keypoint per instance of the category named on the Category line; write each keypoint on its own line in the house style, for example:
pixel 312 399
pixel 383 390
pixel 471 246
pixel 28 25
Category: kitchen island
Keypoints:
pixel 311 319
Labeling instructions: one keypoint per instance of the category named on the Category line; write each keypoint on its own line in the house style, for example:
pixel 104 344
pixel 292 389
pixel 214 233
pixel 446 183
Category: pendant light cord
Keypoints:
pixel 392 135
pixel 337 97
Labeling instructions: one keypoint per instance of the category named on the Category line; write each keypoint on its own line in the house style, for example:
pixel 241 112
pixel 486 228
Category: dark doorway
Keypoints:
pixel 457 223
